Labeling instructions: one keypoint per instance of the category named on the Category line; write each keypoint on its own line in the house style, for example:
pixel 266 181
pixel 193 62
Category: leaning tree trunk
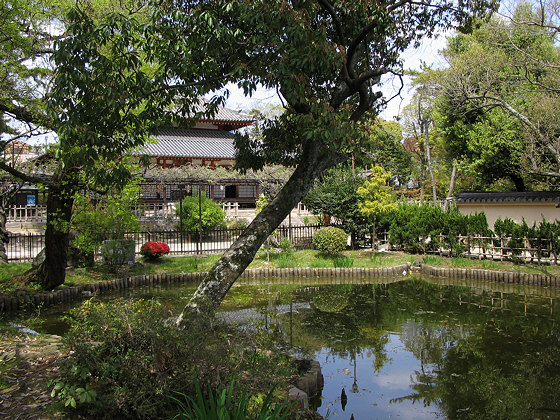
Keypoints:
pixel 227 270
pixel 52 271
pixel 4 236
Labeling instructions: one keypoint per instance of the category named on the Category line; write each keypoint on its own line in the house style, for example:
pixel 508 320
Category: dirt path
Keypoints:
pixel 27 363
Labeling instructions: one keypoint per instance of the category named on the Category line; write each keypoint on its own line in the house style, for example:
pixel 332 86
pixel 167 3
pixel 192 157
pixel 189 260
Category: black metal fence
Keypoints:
pixel 24 247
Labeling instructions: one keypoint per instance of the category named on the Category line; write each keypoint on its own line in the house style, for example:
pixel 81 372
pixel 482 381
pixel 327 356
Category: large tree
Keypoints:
pixel 500 98
pixel 325 58
pixel 72 87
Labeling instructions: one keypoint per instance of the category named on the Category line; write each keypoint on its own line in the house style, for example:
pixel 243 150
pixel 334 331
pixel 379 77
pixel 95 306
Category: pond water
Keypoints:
pixel 415 348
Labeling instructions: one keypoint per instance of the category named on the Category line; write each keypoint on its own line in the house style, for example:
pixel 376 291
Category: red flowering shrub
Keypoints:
pixel 154 249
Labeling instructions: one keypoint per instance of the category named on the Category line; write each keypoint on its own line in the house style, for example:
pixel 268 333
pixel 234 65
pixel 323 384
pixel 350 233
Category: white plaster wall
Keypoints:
pixel 531 212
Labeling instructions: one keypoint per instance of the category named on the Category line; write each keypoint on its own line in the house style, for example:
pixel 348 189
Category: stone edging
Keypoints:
pixel 307 385
pixel 491 275
pixel 21 300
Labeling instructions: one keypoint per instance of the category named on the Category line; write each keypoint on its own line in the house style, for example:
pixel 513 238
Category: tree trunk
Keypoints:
pixel 429 159
pixel 4 237
pixel 227 270
pixel 52 271
pixel 518 182
pixel 451 186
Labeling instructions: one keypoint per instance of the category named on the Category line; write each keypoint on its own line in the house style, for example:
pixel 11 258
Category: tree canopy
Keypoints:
pixel 498 100
pixel 119 76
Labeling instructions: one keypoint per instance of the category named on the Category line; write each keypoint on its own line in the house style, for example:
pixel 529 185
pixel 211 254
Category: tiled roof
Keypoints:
pixel 224 115
pixel 175 142
pixel 508 197
pixel 229 115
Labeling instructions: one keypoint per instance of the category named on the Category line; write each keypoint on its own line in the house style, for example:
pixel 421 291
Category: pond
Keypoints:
pixel 418 347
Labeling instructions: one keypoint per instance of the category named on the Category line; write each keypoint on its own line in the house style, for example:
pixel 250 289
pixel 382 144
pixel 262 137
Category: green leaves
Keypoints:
pixel 377 198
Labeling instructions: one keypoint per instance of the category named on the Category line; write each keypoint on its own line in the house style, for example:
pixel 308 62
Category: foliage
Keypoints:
pixel 284 260
pixel 335 195
pixel 154 249
pixel 103 218
pixel 330 240
pixel 343 262
pixel 488 146
pixel 191 218
pixel 376 196
pixel 74 394
pixel 238 223
pixel 417 228
pixel 225 404
pixel 389 151
pixel 286 246
pixel 134 360
pixel 498 96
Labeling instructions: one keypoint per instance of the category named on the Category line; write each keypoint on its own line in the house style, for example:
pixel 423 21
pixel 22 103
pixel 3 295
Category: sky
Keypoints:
pixel 427 52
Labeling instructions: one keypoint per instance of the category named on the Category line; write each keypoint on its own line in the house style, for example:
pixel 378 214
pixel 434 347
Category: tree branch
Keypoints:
pixel 36 179
pixel 525 121
pixel 23 114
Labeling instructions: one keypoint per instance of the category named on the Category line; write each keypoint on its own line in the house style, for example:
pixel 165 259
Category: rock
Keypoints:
pixel 39 259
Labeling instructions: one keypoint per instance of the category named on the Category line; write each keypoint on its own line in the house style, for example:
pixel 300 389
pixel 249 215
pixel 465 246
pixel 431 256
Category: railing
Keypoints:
pixel 27 214
pixel 147 212
pixel 520 250
pixel 25 247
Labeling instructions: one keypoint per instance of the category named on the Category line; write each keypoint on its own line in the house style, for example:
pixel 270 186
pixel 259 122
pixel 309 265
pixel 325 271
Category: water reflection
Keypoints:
pixel 418 348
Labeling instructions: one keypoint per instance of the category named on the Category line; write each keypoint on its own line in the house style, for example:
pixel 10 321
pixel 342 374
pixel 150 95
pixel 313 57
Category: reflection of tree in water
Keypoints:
pixel 482 353
pixel 510 369
pixel 342 319
pixel 488 363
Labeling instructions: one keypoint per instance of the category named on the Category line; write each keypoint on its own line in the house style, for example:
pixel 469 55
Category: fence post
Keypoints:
pixel 469 245
pixel 501 249
pixel 553 249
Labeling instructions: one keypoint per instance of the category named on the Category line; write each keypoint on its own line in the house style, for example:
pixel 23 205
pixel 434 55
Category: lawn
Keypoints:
pixel 304 258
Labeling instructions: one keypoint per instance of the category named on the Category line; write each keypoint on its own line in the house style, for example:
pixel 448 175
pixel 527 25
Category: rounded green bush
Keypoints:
pixel 330 241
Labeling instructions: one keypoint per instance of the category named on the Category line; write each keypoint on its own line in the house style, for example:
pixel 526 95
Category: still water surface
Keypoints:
pixel 415 348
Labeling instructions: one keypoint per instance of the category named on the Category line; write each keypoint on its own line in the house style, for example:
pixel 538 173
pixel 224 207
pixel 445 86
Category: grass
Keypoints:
pixel 463 262
pixel 302 258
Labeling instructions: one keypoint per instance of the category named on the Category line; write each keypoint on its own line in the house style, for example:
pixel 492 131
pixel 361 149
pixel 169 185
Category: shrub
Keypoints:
pixel 96 221
pixel 212 215
pixel 330 240
pixel 131 361
pixel 154 249
pixel 286 245
pixel 285 261
pixel 240 223
pixel 228 403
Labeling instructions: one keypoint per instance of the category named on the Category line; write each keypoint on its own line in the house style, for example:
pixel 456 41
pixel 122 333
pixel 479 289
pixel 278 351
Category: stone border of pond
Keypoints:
pixel 21 300
pixel 491 275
